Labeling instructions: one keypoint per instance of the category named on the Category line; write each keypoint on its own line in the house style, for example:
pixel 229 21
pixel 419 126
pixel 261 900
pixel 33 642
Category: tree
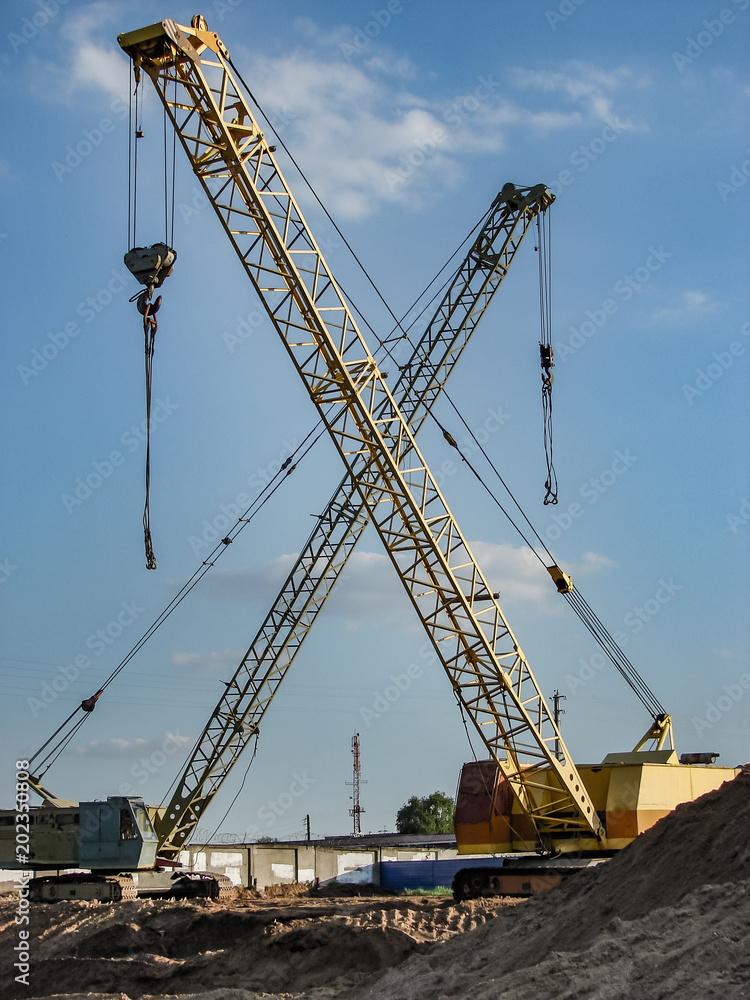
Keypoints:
pixel 429 814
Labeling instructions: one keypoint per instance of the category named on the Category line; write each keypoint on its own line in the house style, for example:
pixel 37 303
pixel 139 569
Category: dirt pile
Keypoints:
pixel 668 916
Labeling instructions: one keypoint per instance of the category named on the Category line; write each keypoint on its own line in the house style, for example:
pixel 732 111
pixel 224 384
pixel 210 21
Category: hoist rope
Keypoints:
pixel 170 241
pixel 138 132
pixel 150 326
pixel 545 350
pixel 128 244
pixel 169 184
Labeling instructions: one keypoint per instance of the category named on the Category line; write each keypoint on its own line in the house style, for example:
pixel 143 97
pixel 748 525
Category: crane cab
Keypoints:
pixel 112 836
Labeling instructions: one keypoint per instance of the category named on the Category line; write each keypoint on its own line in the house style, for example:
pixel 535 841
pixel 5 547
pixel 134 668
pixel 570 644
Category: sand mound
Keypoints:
pixel 674 906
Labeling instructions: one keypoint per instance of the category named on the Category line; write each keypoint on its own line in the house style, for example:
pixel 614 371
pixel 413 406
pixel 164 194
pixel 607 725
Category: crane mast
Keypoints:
pixel 237 716
pixel 190 68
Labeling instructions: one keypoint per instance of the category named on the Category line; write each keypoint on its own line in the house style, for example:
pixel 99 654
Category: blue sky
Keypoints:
pixel 407 118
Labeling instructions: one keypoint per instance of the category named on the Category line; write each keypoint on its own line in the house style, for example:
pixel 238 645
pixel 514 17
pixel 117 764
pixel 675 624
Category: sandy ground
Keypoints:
pixel 280 946
pixel 668 917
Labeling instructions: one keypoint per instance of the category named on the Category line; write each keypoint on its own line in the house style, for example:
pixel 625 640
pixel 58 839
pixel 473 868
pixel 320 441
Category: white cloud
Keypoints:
pixel 691 305
pixel 590 562
pixel 582 84
pixel 513 572
pixel 250 584
pixel 93 60
pixel 208 661
pixel 363 140
pixel 369 594
pixel 168 744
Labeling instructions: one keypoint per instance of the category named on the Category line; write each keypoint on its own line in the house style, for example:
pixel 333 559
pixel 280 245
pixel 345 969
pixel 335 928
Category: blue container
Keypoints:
pixel 400 875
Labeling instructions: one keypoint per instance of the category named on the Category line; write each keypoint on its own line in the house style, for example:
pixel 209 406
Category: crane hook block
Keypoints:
pixel 547 356
pixel 151 265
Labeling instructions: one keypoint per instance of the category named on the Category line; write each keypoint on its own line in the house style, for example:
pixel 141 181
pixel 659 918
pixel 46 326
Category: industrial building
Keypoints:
pixel 330 859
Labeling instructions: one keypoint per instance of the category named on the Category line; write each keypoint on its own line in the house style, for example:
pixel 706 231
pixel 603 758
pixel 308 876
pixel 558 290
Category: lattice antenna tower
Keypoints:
pixel 356 810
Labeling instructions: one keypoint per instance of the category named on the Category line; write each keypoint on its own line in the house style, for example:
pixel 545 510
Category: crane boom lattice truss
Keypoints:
pixel 190 69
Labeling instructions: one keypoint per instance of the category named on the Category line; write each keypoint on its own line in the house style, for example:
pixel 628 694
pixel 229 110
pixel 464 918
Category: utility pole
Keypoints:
pixel 356 809
pixel 307 828
pixel 557 713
